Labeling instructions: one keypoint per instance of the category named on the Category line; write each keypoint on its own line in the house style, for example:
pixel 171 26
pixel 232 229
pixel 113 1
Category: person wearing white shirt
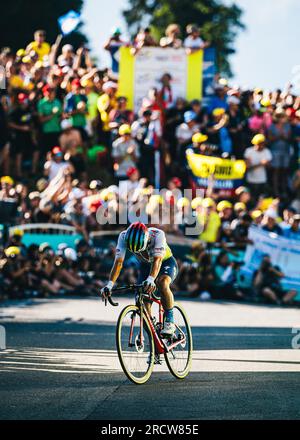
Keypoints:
pixel 194 42
pixel 125 152
pixel 258 158
pixel 56 165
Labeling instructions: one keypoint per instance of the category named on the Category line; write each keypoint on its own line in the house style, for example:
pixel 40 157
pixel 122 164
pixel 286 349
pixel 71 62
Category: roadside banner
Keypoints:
pixel 221 174
pixel 143 71
pixel 284 253
pixel 209 72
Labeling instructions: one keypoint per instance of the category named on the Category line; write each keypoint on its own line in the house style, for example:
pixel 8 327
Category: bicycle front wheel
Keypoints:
pixel 135 346
pixel 179 358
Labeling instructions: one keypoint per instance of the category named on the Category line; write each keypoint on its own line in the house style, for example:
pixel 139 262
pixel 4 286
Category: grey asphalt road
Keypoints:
pixel 61 363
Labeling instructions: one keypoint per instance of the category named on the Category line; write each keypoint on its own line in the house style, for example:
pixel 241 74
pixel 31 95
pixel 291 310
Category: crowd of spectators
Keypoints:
pixel 70 145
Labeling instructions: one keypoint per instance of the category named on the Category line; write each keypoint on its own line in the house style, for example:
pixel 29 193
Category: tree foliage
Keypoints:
pixel 219 23
pixel 20 18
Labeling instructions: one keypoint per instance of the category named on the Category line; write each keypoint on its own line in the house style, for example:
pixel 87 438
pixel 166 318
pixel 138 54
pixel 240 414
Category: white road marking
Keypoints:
pixel 106 361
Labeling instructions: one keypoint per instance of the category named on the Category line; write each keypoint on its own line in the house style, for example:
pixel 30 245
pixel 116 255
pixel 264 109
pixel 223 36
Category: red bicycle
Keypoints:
pixel 140 343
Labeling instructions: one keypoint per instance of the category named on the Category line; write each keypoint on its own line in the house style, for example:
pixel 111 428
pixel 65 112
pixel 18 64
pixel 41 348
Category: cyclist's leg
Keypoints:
pixel 167 297
pixel 167 276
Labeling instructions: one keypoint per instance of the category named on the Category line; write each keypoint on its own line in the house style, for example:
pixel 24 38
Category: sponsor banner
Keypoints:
pixel 284 253
pixel 209 72
pixel 220 173
pixel 219 184
pixel 143 71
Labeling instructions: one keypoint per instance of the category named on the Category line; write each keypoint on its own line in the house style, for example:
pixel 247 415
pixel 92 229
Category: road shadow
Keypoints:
pixel 68 347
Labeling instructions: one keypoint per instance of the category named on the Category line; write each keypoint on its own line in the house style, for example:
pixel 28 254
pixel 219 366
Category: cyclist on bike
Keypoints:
pixel 158 266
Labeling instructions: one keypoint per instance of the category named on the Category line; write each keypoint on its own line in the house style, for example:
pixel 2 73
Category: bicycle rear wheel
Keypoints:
pixel 136 356
pixel 179 358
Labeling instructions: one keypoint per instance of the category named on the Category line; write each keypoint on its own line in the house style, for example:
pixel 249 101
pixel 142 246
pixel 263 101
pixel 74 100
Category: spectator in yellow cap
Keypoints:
pixel 199 143
pixel 258 159
pixel 15 240
pixel 225 209
pixel 196 203
pixel 7 180
pixel 224 205
pixel 125 152
pixel 257 217
pixel 7 188
pixel 240 207
pixel 15 271
pixel 218 112
pixel 209 221
pixel 12 252
pixel 218 131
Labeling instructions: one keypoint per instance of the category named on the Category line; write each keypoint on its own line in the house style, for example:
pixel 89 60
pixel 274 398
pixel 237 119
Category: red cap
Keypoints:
pixel 46 89
pixel 95 206
pixel 291 112
pixel 131 171
pixel 76 83
pixel 56 150
pixel 22 97
pixel 177 182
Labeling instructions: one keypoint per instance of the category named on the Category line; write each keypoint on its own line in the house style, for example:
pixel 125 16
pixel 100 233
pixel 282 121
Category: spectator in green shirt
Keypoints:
pixel 92 105
pixel 77 109
pixel 50 113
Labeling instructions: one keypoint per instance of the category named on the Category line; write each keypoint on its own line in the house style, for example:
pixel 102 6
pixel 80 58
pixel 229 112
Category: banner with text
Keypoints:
pixel 221 174
pixel 284 253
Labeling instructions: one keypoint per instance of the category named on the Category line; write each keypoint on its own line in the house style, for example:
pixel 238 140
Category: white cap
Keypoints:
pixel 66 123
pixel 62 246
pixel 67 48
pixel 233 100
pixel 77 194
pixel 109 85
pixel 219 86
pixel 271 213
pixel 70 254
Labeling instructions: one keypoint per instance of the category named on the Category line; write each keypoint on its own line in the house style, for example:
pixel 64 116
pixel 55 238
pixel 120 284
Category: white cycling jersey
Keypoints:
pixel 157 246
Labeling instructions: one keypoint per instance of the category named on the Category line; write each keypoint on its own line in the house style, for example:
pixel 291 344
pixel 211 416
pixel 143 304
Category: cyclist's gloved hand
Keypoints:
pixel 149 285
pixel 106 291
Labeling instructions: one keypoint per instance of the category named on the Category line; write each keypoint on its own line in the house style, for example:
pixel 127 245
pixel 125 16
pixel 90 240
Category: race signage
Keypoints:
pixel 221 174
pixel 284 253
pixel 143 71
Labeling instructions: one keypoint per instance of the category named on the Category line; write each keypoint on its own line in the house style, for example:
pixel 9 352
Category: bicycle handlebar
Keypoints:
pixel 111 302
pixel 127 288
pixel 119 290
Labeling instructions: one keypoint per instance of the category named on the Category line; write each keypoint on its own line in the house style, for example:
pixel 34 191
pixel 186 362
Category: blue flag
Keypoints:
pixel 69 22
